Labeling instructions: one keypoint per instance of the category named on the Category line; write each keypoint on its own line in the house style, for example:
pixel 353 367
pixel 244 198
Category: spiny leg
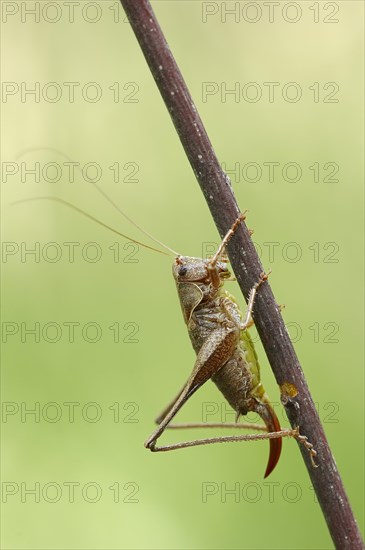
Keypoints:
pixel 251 299
pixel 232 438
pixel 222 439
pixel 227 237
pixel 251 322
pixel 225 439
pixel 221 251
pixel 167 409
pixel 312 452
pixel 211 266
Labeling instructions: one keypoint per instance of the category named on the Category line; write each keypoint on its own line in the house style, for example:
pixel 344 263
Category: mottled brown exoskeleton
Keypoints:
pixel 224 350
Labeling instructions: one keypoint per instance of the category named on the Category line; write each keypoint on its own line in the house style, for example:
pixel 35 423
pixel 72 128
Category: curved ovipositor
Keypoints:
pixel 272 423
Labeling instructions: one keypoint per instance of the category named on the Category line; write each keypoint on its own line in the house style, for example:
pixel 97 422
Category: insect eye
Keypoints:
pixel 183 271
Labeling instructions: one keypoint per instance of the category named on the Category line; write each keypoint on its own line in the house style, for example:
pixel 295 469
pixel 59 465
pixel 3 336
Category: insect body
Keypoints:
pixel 222 343
pixel 224 349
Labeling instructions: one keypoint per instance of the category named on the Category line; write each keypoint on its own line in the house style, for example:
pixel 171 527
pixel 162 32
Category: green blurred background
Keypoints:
pixel 124 496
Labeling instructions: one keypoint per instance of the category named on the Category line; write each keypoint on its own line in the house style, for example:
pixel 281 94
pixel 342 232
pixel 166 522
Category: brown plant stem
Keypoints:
pixel 246 264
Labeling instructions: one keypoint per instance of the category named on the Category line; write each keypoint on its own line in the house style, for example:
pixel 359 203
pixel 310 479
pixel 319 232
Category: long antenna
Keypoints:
pixel 73 207
pixel 134 223
pixel 102 192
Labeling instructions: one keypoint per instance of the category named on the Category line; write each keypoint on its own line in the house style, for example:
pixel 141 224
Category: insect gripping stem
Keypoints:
pixel 227 238
pixel 216 329
pixel 225 353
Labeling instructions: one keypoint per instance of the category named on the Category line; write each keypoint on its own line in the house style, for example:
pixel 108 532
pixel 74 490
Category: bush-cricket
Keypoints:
pixel 219 335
